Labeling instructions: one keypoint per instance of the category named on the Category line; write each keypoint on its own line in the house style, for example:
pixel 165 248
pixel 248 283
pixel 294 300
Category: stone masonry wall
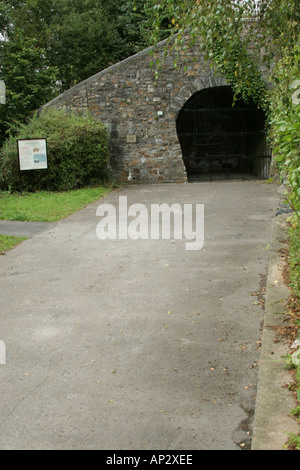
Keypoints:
pixel 140 111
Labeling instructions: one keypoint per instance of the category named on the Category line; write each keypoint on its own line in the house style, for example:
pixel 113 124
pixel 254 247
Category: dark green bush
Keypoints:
pixel 77 149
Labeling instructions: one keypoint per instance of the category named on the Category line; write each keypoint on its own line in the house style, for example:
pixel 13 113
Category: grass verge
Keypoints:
pixel 47 206
pixel 8 242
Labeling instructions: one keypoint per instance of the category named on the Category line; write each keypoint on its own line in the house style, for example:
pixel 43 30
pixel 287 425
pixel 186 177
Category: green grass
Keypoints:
pixel 46 206
pixel 8 242
pixel 294 252
pixel 294 265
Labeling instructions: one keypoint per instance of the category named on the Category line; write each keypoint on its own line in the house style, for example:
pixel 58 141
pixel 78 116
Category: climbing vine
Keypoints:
pixel 285 123
pixel 224 41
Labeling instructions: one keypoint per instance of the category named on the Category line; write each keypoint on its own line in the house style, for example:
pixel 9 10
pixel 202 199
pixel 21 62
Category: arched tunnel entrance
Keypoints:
pixel 221 141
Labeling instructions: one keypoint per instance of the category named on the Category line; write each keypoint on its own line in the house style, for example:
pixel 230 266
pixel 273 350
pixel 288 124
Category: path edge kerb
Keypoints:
pixel 272 420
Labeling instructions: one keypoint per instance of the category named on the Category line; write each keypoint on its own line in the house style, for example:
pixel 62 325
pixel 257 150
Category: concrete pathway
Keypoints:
pixel 137 344
pixel 23 229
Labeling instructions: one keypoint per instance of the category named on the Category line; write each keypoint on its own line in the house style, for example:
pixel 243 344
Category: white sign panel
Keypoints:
pixel 2 92
pixel 32 154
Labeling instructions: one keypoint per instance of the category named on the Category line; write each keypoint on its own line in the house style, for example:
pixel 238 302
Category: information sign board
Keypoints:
pixel 32 154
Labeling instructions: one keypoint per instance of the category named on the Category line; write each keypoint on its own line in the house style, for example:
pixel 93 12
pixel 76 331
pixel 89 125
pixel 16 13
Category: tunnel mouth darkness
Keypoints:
pixel 222 141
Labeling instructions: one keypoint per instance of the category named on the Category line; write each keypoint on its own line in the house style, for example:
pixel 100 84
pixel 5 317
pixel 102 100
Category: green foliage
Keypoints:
pixel 132 19
pixel 77 152
pixel 285 124
pixel 30 81
pixel 8 242
pixel 284 120
pixel 294 253
pixel 79 38
pixel 237 37
pixel 4 16
pixel 285 139
pixel 81 41
pixel 225 41
pixel 293 441
pixel 46 206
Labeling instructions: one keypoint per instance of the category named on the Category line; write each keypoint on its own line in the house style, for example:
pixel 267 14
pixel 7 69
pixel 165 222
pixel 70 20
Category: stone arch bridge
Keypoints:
pixel 176 127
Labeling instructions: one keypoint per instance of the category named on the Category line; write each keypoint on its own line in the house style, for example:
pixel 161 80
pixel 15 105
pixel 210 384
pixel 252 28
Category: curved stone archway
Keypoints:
pixel 194 86
pixel 140 111
pixel 222 141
